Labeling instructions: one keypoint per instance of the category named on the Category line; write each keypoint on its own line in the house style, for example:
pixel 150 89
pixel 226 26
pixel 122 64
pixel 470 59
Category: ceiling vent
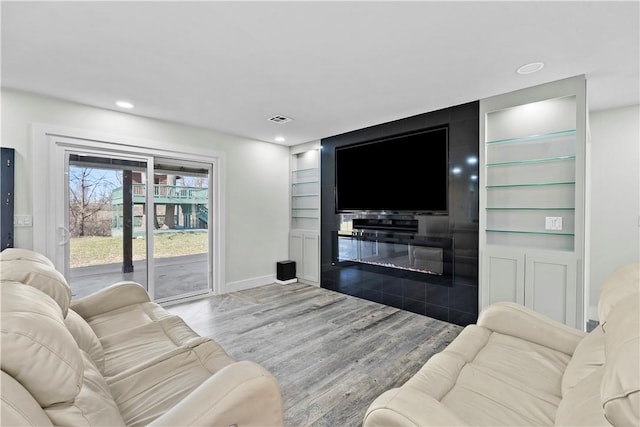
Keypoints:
pixel 279 119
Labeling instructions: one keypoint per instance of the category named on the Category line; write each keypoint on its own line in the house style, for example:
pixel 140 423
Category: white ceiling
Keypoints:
pixel 332 66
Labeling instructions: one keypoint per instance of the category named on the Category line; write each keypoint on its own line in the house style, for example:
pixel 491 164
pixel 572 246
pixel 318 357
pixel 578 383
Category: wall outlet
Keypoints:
pixel 553 223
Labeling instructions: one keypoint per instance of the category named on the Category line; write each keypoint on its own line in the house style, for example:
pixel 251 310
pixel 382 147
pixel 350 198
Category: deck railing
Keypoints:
pixel 164 194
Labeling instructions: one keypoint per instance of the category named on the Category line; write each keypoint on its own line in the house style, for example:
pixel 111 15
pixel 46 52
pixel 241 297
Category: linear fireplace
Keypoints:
pixel 403 253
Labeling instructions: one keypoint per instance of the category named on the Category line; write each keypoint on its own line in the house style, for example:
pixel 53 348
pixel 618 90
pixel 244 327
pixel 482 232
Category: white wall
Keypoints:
pixel 257 180
pixel 257 176
pixel 615 194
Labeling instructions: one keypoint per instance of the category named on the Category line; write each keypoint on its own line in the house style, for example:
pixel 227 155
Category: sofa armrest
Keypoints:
pixel 410 407
pixel 111 298
pixel 17 405
pixel 243 394
pixel 516 320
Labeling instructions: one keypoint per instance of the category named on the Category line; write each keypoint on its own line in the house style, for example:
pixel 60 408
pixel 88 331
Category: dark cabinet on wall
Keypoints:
pixel 6 188
pixel 424 262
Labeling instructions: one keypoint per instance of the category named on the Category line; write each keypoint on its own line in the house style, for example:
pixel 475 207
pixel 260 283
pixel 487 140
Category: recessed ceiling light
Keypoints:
pixel 530 68
pixel 456 170
pixel 124 104
pixel 279 139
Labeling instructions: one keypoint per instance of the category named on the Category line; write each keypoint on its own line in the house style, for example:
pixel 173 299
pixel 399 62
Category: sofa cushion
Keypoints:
pixel 85 338
pixel 37 349
pixel 621 284
pixel 93 406
pixel 41 276
pixel 581 404
pixel 510 382
pixel 147 392
pixel 124 318
pixel 488 378
pixel 134 334
pixel 11 254
pixel 588 356
pixel 134 346
pixel 620 390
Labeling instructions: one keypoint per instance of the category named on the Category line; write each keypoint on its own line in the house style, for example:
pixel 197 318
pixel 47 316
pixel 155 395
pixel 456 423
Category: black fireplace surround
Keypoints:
pixel 420 262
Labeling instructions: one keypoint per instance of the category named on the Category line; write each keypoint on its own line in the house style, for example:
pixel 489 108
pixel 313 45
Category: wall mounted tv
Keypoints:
pixel 404 173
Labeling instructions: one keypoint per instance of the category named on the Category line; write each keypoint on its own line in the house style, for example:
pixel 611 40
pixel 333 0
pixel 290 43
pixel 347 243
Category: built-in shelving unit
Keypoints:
pixel 305 198
pixel 304 236
pixel 532 184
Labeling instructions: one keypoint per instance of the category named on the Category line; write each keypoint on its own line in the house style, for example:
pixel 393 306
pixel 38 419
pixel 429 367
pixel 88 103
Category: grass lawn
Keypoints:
pixel 93 250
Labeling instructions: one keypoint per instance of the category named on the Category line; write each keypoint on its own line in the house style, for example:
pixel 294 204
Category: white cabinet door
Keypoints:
pixel 503 275
pixel 304 250
pixel 550 286
pixel 310 244
pixel 296 250
pixel 544 282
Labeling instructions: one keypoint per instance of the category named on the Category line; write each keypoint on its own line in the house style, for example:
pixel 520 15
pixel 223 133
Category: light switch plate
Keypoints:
pixel 23 221
pixel 553 223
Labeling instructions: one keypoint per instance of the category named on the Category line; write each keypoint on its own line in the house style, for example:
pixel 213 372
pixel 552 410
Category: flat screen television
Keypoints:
pixel 404 173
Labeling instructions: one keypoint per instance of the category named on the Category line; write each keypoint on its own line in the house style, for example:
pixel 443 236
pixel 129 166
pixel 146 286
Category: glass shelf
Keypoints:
pixel 305 177
pixel 305 170
pixel 539 241
pixel 534 196
pixel 523 208
pixel 546 233
pixel 527 138
pixel 306 186
pixel 533 184
pixel 304 223
pixel 530 161
pixel 311 213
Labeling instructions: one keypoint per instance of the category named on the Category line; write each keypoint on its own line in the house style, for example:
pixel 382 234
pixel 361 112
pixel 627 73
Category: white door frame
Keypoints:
pixel 49 177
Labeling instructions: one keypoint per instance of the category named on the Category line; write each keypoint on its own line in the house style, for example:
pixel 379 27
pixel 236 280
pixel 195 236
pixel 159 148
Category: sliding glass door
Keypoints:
pixel 181 228
pixel 106 228
pixel 136 218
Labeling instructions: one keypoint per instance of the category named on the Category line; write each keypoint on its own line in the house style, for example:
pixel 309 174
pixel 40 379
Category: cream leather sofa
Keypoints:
pixel 516 367
pixel 115 358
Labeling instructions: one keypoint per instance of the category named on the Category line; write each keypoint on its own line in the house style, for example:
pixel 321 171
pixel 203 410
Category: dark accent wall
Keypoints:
pixel 453 300
pixel 7 165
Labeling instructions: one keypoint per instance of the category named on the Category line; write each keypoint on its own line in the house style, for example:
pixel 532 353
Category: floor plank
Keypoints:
pixel 332 353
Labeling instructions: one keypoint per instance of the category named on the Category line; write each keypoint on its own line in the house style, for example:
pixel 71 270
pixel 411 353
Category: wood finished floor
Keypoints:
pixel 332 354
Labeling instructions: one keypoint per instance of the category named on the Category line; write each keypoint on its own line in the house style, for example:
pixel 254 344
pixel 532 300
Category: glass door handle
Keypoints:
pixel 64 235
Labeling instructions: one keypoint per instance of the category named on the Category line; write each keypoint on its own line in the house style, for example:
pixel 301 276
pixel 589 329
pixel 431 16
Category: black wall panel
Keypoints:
pixel 7 157
pixel 456 300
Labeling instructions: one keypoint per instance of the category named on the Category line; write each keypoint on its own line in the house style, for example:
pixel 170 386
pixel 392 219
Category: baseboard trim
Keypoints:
pixel 287 282
pixel 255 282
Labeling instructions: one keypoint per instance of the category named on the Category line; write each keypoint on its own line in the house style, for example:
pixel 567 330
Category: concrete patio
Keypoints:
pixel 173 276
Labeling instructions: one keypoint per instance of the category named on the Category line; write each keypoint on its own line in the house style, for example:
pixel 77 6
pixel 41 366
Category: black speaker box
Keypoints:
pixel 286 270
